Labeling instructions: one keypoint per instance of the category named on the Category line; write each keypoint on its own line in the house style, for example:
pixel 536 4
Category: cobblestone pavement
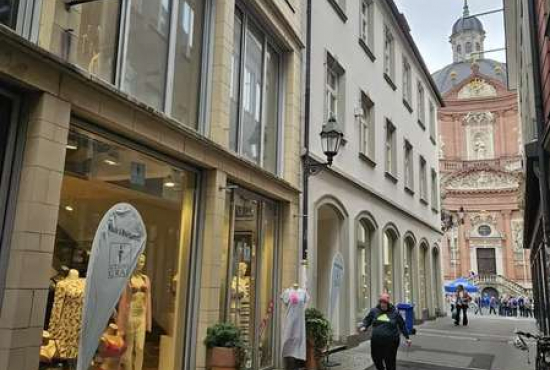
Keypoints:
pixel 485 344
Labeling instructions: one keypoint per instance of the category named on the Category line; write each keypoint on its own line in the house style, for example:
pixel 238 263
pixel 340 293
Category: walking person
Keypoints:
pixel 462 301
pixel 492 305
pixel 387 326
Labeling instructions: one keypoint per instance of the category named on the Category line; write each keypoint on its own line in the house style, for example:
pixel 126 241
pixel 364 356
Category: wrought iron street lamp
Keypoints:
pixel 331 140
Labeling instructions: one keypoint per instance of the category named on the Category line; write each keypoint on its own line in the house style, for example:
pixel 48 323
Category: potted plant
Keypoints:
pixel 319 335
pixel 225 346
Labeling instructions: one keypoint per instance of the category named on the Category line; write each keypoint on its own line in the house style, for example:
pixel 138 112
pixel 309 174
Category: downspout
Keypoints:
pixel 539 111
pixel 307 115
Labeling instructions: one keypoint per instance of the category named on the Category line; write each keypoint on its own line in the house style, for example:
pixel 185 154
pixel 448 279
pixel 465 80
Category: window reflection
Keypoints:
pixel 8 12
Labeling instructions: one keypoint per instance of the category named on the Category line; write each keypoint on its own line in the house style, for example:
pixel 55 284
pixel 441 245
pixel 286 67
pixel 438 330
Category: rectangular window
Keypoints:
pixel 152 50
pixel 389 53
pixel 435 191
pixel 407 83
pixel 423 180
pixel 421 104
pixel 432 122
pixel 408 168
pixel 8 12
pixel 332 92
pixel 254 91
pixel 367 127
pixel 390 149
pixel 366 25
pixel 188 52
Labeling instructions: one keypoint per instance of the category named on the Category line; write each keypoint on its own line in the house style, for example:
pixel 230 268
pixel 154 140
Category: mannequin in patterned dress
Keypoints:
pixel 66 317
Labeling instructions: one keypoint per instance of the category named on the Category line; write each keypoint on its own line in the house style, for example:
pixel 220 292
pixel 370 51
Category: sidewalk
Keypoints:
pixel 357 358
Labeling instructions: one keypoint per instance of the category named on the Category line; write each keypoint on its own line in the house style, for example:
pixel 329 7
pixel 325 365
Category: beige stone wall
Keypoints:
pixel 61 92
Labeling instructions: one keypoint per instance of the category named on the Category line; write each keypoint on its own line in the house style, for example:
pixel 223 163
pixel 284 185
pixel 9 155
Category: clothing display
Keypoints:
pixel 240 303
pixel 66 317
pixel 111 349
pixel 294 323
pixel 135 317
pixel 48 349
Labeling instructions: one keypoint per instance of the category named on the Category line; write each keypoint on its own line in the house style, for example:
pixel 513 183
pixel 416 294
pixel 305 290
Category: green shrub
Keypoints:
pixel 318 329
pixel 224 334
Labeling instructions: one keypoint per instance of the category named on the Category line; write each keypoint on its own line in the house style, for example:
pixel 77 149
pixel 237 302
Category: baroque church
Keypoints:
pixel 481 168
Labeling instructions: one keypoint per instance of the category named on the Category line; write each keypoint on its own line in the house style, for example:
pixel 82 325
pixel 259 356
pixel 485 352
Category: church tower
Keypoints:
pixel 468 37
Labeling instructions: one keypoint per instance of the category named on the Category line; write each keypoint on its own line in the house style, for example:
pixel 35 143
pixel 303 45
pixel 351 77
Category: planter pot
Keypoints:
pixel 220 358
pixel 312 361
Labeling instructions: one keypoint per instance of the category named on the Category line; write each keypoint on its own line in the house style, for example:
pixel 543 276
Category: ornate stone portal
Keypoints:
pixel 477 88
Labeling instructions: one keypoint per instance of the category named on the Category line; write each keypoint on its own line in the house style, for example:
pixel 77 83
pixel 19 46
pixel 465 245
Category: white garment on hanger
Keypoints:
pixel 294 331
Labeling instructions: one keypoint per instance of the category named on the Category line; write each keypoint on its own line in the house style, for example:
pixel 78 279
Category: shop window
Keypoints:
pixel 409 270
pixel 254 92
pixel 250 292
pixel 364 265
pixel 150 318
pixel 423 276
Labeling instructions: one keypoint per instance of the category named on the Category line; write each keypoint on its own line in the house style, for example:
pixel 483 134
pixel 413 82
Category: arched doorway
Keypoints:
pixel 364 266
pixel 490 291
pixel 331 280
pixel 389 255
pixel 409 269
pixel 423 277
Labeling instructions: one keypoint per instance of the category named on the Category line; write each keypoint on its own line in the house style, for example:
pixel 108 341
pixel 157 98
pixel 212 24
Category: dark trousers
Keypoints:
pixel 464 310
pixel 492 310
pixel 384 353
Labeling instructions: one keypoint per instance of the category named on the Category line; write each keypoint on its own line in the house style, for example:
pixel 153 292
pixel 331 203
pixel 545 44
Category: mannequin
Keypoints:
pixel 56 278
pixel 135 316
pixel 111 348
pixel 294 331
pixel 66 317
pixel 241 283
pixel 48 349
pixel 240 304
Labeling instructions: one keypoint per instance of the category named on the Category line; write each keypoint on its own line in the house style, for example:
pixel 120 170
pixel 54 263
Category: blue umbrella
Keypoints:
pixel 468 286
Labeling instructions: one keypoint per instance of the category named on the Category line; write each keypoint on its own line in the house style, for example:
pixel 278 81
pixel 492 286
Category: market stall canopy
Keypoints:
pixel 468 286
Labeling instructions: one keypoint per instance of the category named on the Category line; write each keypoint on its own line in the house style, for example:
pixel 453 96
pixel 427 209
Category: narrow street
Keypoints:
pixel 484 345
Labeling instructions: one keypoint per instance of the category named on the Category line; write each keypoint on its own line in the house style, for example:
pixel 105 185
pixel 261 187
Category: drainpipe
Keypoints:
pixel 539 109
pixel 307 115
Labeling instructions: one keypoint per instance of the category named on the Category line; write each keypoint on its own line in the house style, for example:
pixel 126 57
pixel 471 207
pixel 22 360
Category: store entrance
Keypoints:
pixel 251 295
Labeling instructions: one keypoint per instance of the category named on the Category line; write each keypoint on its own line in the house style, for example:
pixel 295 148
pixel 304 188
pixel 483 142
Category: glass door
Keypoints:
pixel 251 285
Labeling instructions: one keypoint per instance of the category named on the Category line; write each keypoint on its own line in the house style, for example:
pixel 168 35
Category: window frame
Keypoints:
pixel 389 57
pixel 390 150
pixel 247 17
pixel 423 181
pixel 432 118
pixel 407 84
pixel 408 166
pixel 334 67
pixel 366 23
pixel 421 103
pixel 367 127
pixel 435 190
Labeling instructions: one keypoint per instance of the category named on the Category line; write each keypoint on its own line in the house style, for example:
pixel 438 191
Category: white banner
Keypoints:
pixel 119 240
pixel 336 281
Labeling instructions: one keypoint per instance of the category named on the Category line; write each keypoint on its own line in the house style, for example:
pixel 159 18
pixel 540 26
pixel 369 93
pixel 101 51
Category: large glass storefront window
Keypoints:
pixel 423 276
pixel 408 267
pixel 364 239
pixel 255 76
pixel 145 331
pixel 252 256
pixel 8 12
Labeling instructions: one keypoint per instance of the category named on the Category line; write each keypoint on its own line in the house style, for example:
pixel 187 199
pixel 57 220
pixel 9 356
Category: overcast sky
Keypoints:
pixel 431 23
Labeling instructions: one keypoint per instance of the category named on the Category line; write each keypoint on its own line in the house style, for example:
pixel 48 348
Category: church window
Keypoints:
pixel 459 49
pixel 468 47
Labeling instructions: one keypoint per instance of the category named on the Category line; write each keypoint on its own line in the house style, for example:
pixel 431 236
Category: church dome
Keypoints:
pixel 468 24
pixel 454 74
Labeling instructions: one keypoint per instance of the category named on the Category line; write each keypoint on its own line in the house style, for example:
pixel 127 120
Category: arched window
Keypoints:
pixel 390 240
pixel 409 270
pixel 423 275
pixel 459 49
pixel 364 274
pixel 468 47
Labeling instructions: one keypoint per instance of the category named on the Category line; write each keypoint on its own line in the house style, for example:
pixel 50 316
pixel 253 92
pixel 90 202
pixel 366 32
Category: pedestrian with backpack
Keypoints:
pixel 462 302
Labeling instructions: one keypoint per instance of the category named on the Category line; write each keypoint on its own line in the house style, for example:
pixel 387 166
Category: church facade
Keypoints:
pixel 481 167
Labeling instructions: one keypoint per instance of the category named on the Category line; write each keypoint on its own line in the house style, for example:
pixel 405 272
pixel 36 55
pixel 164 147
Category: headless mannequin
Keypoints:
pixel 138 322
pixel 66 317
pixel 111 349
pixel 294 330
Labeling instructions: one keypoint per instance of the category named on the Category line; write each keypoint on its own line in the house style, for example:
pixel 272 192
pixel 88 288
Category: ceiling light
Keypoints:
pixel 169 184
pixel 69 208
pixel 110 162
pixel 72 146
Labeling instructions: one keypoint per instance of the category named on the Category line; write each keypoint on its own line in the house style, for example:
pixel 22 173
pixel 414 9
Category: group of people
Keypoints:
pixel 521 306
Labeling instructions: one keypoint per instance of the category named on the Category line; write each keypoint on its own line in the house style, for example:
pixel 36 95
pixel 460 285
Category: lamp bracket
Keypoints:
pixel 313 167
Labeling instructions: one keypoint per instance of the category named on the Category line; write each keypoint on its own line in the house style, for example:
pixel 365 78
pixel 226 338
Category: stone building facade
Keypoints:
pixel 481 166
pixel 188 110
